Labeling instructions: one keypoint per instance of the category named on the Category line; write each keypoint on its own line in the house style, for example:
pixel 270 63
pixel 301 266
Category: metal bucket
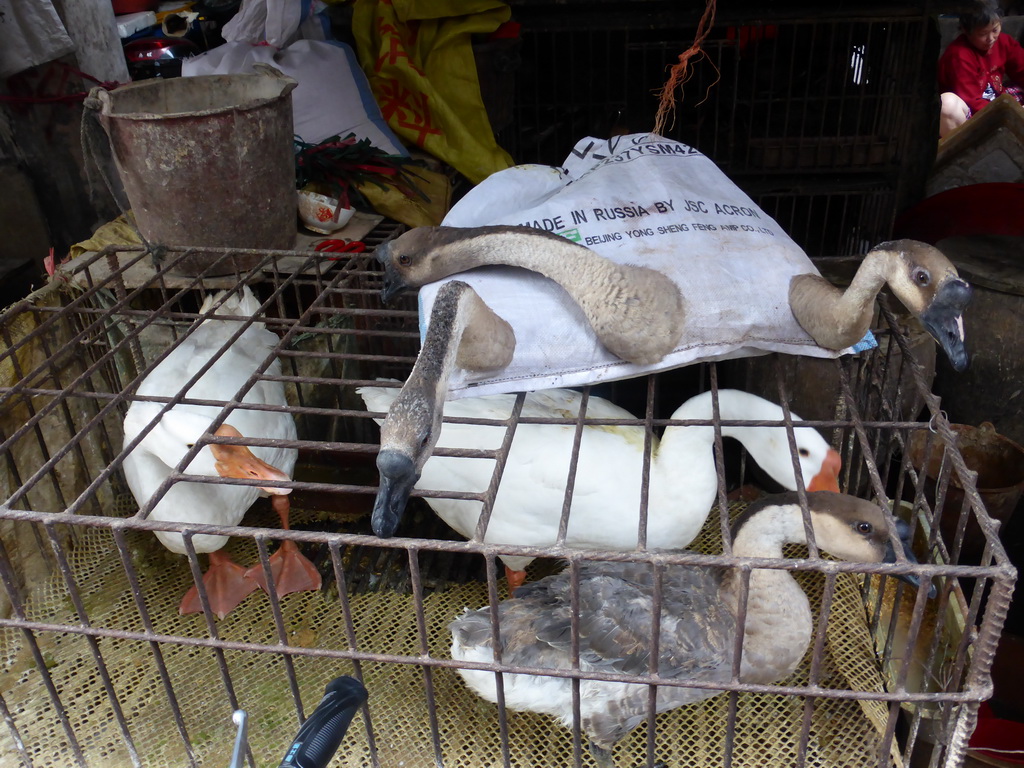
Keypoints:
pixel 999 463
pixel 207 161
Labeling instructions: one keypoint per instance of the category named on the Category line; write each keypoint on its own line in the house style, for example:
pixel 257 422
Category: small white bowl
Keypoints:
pixel 321 213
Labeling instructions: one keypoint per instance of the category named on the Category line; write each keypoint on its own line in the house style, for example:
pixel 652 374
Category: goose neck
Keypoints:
pixel 869 279
pixel 436 360
pixel 777 628
pixel 681 437
pixel 778 622
pixel 765 533
pixel 552 256
pixel 732 405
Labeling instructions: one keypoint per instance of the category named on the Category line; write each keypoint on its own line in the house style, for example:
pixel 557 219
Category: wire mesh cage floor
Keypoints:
pixel 99 668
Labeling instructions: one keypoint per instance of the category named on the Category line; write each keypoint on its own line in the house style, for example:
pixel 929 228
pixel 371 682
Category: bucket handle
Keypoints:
pixel 289 84
pixel 99 157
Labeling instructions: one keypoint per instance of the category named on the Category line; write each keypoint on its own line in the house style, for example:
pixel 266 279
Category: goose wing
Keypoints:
pixel 233 363
pixel 615 622
pixel 533 484
pixel 615 628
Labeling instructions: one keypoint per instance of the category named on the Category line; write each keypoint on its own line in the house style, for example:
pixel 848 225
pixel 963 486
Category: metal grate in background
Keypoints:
pixel 98 668
pixel 814 116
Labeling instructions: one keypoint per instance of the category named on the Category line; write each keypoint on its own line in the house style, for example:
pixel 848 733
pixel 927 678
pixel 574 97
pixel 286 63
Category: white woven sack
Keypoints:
pixel 31 33
pixel 638 199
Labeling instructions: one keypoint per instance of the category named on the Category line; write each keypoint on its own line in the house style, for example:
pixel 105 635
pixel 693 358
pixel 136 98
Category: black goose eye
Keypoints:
pixel 921 277
pixel 404 260
pixel 804 452
pixel 864 528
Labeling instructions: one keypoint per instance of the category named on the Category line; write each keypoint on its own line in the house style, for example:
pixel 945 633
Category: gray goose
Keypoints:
pixel 697 625
pixel 637 313
pixel 917 273
pixel 463 332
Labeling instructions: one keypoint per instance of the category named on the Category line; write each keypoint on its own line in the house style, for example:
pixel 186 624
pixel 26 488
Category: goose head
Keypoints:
pixel 425 254
pixel 929 286
pixel 407 438
pixel 412 259
pixel 845 526
pixel 855 529
pixel 239 462
pixel 819 463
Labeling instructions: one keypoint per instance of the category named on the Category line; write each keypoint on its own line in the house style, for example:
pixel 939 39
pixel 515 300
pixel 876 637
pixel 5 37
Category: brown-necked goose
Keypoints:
pixel 919 275
pixel 638 313
pixel 697 620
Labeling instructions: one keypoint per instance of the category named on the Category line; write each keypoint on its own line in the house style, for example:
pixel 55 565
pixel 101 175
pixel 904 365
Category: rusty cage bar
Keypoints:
pixel 99 668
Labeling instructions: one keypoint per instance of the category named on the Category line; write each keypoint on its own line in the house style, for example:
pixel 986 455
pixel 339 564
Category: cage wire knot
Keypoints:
pixel 931 421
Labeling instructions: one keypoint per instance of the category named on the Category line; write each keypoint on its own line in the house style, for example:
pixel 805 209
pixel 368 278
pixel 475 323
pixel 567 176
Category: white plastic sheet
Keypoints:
pixel 639 199
pixel 332 95
pixel 276 22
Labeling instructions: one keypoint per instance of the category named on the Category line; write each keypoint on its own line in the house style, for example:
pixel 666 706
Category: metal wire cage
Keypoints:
pixel 99 668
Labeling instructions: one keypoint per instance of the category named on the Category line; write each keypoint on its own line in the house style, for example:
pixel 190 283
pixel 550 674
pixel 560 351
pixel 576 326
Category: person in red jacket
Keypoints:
pixel 980 64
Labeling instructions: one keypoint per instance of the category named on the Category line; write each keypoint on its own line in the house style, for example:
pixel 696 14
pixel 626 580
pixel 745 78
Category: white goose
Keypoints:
pixel 606 496
pixel 164 447
pixel 697 621
pixel 919 275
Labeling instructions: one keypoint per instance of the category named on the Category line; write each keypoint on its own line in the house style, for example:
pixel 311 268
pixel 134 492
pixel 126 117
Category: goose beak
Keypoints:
pixel 392 287
pixel 239 462
pixel 398 475
pixel 827 478
pixel 944 320
pixel 903 530
pixel 393 282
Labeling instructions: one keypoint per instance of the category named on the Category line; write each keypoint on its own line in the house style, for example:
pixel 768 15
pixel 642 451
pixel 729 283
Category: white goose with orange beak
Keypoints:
pixel 173 434
pixel 605 509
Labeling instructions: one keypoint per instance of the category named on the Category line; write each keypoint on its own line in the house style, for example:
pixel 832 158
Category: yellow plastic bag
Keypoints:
pixel 419 60
pixel 412 210
pixel 119 231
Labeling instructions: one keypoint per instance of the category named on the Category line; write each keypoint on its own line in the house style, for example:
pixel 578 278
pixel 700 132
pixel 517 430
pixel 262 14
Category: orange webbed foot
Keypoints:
pixel 515 579
pixel 226 586
pixel 292 571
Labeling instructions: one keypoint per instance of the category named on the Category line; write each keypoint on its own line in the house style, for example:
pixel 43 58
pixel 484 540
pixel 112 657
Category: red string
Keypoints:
pixel 680 71
pixel 67 98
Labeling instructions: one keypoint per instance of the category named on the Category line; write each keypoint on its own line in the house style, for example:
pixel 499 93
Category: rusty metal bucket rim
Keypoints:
pixel 263 71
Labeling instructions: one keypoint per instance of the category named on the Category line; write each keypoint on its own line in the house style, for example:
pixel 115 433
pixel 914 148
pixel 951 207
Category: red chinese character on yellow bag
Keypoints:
pixel 410 108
